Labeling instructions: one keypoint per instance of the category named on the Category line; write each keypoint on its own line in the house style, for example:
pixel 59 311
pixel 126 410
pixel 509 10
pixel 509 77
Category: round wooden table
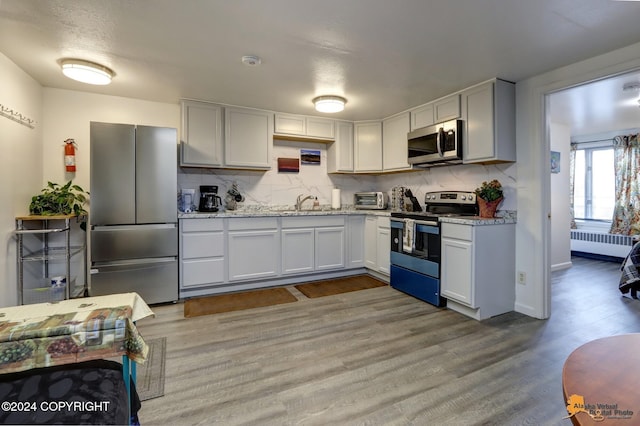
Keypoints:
pixel 604 375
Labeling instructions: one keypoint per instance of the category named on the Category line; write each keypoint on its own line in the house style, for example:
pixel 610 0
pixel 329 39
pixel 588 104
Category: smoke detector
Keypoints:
pixel 251 60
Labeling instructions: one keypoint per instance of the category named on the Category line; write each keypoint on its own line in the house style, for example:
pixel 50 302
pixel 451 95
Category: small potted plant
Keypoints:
pixel 489 195
pixel 57 199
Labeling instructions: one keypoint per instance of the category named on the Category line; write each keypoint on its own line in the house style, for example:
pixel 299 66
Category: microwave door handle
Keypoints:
pixel 440 141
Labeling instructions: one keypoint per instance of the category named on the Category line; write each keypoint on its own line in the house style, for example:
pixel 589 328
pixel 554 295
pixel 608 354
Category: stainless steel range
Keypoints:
pixel 415 243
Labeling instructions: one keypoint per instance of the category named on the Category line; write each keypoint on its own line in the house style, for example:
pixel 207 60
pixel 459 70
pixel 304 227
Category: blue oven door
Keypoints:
pixel 417 285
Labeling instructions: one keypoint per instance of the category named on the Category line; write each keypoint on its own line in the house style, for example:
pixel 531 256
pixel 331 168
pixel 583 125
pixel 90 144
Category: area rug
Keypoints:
pixel 150 375
pixel 340 285
pixel 237 301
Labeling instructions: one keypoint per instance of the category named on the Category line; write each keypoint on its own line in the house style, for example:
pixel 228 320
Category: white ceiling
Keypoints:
pixel 383 56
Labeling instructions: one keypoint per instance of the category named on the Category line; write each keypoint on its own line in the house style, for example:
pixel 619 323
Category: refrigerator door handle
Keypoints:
pixel 134 264
pixel 111 228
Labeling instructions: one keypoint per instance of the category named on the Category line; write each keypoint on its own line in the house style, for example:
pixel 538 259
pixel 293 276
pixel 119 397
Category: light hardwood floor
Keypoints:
pixel 380 357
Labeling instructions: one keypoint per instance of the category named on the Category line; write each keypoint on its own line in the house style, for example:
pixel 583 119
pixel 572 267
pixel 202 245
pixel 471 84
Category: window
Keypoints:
pixel 594 190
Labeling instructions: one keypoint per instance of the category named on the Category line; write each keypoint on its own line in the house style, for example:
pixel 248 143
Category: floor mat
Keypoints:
pixel 340 285
pixel 237 301
pixel 150 375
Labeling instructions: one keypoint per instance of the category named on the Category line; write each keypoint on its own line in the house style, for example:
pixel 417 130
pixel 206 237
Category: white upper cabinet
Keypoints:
pixel 340 152
pixel 368 146
pixel 394 142
pixel 201 140
pixel 305 126
pixel 488 110
pixel 248 138
pixel 444 109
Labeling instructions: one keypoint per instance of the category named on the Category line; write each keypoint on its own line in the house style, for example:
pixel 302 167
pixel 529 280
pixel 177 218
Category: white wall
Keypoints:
pixel 560 139
pixel 20 165
pixel 68 114
pixel 533 187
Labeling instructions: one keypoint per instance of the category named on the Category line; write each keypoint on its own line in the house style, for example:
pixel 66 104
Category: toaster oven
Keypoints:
pixel 374 200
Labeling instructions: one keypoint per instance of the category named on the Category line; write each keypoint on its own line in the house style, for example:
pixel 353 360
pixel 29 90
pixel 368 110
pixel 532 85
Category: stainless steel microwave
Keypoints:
pixel 436 145
pixel 370 200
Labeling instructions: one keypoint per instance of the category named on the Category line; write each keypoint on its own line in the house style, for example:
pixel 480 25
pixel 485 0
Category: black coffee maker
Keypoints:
pixel 209 199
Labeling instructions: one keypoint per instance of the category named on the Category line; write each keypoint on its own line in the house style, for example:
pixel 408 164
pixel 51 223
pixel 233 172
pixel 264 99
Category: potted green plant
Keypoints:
pixel 490 195
pixel 56 199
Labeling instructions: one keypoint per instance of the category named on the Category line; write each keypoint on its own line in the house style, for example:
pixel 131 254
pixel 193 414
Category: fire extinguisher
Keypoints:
pixel 70 155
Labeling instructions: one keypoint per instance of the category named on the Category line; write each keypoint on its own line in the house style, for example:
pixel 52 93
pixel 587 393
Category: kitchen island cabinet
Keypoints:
pixel 477 269
pixel 488 111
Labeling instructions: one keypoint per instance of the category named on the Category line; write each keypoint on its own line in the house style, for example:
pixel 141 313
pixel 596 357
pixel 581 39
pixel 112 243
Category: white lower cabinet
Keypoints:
pixel 312 244
pixel 477 271
pixel 297 250
pixel 253 248
pixel 377 240
pixel 202 253
pixel 355 241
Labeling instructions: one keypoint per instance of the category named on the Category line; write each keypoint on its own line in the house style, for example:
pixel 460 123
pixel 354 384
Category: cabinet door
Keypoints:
pixel 340 152
pixel 201 141
pixel 422 116
pixel 355 241
pixel 201 272
pixel 329 248
pixel 394 142
pixel 290 124
pixel 383 252
pixel 479 138
pixel 371 242
pixel 253 254
pixel 297 250
pixel 368 146
pixel 446 109
pixel 248 138
pixel 456 271
pixel 318 127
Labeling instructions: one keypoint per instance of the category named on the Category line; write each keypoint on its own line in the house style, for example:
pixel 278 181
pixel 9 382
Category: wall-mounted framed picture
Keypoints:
pixel 288 165
pixel 555 162
pixel 310 156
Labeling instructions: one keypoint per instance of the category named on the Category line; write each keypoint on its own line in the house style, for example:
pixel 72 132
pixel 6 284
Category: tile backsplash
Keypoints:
pixel 264 188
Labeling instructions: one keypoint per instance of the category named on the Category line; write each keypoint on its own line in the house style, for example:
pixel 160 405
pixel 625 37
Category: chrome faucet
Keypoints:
pixel 301 200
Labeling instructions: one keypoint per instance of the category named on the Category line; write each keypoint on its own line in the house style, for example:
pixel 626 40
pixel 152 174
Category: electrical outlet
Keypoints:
pixel 522 278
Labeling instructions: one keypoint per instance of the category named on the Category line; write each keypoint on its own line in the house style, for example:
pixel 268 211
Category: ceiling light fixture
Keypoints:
pixel 86 72
pixel 329 104
pixel 631 87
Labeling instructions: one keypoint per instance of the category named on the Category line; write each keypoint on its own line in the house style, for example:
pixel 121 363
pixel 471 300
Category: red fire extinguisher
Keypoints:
pixel 70 155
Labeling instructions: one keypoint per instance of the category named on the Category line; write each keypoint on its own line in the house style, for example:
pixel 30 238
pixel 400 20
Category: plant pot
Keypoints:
pixel 488 208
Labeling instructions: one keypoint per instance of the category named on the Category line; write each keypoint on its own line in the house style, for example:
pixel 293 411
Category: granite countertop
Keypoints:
pixel 278 211
pixel 503 217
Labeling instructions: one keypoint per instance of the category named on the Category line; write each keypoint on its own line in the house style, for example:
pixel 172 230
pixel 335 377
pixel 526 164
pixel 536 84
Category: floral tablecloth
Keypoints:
pixel 46 334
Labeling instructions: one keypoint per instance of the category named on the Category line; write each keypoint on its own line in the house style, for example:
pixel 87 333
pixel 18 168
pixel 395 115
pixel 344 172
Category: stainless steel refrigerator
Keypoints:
pixel 133 213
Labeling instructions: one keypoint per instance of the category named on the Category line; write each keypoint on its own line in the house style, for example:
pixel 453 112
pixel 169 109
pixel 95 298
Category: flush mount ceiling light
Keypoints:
pixel 631 87
pixel 86 72
pixel 329 104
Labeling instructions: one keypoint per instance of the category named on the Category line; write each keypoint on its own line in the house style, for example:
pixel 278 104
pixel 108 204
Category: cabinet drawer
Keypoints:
pixel 202 245
pixel 195 225
pixel 384 222
pixel 457 231
pixel 202 272
pixel 241 224
pixel 312 222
